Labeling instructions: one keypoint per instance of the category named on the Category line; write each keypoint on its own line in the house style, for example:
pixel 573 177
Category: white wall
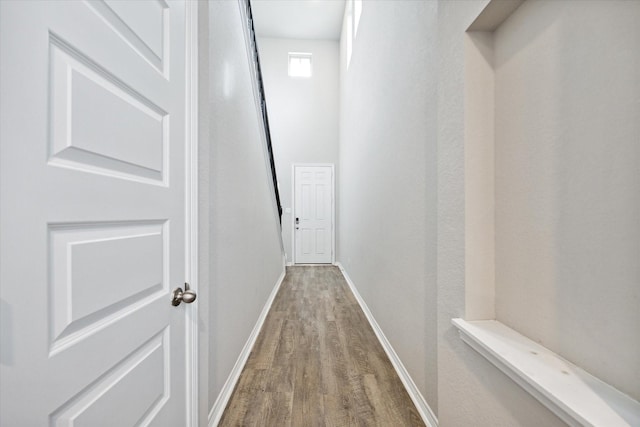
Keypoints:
pixel 240 235
pixel 303 113
pixel 204 209
pixel 403 135
pixel 471 391
pixel 567 173
pixel 387 177
pixel 479 154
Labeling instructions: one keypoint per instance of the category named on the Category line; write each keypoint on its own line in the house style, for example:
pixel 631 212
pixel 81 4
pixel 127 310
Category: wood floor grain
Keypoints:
pixel 317 362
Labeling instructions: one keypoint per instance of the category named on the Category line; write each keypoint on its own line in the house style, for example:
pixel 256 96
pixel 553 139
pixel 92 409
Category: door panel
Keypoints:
pixel 93 197
pixel 98 142
pixel 144 25
pixel 313 206
pixel 98 271
pixel 120 388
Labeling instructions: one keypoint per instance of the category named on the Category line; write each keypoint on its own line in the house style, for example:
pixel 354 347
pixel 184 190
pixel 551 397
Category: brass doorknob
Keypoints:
pixel 187 296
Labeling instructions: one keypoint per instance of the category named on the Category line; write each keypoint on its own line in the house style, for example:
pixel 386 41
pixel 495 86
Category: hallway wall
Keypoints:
pixel 471 391
pixel 567 171
pixel 303 112
pixel 566 228
pixel 241 256
pixel 387 179
pixel 402 138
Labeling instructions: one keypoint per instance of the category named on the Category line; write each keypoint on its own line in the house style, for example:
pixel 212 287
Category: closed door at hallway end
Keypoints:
pixel 313 214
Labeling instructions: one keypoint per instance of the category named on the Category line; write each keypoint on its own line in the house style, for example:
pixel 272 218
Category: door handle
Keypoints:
pixel 187 296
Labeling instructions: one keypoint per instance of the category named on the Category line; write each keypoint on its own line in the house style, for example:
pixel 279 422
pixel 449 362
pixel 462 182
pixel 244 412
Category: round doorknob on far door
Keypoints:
pixel 187 296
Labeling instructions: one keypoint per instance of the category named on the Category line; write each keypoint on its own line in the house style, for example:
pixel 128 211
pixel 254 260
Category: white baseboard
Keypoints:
pixel 225 394
pixel 422 406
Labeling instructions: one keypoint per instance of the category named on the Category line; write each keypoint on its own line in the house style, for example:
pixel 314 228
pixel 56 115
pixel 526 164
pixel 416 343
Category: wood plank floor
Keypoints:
pixel 317 362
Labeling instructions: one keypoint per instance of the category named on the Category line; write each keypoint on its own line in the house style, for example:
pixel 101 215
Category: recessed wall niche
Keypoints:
pixel 552 168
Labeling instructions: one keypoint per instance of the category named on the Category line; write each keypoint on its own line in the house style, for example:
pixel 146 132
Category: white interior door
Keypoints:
pixel 313 214
pixel 92 213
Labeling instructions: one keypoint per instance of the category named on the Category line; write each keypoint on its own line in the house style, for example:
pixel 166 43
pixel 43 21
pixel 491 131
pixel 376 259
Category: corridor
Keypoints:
pixel 318 362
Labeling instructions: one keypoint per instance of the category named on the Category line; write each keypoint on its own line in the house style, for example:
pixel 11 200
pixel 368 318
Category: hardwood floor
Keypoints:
pixel 317 362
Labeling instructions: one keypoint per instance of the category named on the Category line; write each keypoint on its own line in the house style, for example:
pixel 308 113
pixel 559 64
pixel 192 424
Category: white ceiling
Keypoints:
pixel 298 19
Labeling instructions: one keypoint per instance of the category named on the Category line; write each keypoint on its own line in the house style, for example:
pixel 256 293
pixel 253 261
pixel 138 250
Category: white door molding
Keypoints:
pixel 191 255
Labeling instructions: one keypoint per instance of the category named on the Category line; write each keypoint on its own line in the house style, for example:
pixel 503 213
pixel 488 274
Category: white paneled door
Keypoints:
pixel 93 212
pixel 313 214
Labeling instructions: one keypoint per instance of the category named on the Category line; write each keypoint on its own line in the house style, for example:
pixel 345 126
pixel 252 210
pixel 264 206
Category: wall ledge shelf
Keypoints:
pixel 577 397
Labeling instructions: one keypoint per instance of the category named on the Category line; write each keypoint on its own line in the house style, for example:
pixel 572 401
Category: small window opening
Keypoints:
pixel 349 44
pixel 299 64
pixel 357 11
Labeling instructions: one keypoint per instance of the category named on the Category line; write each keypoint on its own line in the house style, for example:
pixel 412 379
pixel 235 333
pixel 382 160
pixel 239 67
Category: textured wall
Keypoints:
pixel 567 175
pixel 204 209
pixel 479 172
pixel 303 113
pixel 387 177
pixel 471 392
pixel 244 249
